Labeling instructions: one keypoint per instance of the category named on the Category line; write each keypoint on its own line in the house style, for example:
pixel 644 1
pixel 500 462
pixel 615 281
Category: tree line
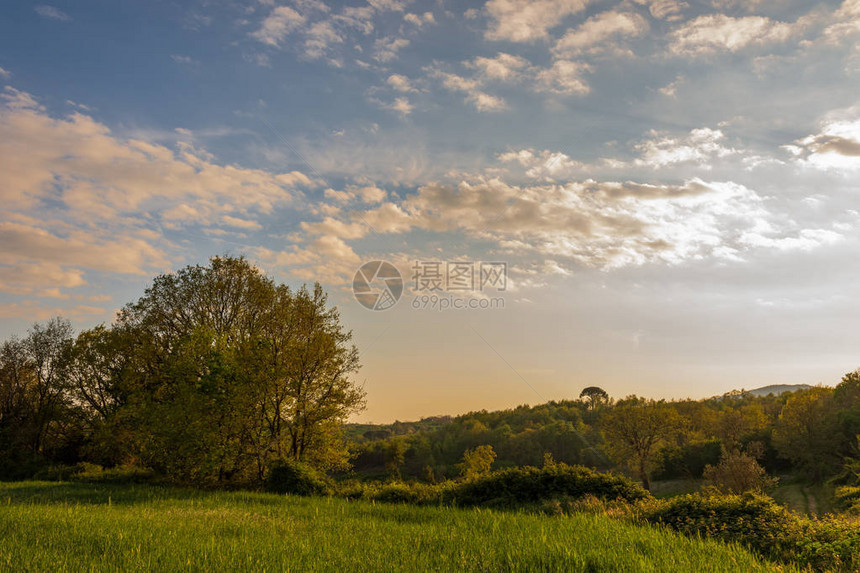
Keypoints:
pixel 737 440
pixel 213 375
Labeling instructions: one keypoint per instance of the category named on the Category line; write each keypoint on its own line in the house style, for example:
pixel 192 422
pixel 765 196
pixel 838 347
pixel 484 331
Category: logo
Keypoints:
pixel 377 285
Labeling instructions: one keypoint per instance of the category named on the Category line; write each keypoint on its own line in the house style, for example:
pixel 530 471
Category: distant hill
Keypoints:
pixel 777 389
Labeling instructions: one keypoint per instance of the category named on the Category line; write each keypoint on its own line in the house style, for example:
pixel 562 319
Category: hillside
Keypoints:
pixel 777 389
pixel 78 527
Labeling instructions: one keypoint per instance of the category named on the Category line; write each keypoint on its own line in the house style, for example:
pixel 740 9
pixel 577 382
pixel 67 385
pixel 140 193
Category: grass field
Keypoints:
pixel 81 527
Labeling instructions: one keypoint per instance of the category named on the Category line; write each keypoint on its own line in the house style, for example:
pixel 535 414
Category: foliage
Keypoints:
pixel 212 374
pixel 635 428
pixel 32 399
pixel 477 462
pixel 688 460
pixel 758 522
pixel 529 485
pixel 848 499
pixel 805 431
pixel 594 397
pixel 738 472
pixel 295 477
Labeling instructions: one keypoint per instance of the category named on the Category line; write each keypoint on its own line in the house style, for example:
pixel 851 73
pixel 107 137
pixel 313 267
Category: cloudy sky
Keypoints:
pixel 672 184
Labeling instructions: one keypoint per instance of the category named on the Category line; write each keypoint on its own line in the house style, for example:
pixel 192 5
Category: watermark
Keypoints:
pixel 436 285
pixel 377 285
pixel 450 302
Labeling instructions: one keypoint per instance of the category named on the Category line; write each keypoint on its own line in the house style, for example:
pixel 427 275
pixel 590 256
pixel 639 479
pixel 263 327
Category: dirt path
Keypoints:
pixel 811 503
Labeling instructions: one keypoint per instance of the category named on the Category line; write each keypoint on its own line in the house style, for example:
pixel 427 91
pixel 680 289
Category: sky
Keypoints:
pixel 670 187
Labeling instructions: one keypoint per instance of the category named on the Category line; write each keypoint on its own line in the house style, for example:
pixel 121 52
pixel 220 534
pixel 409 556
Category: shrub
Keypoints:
pixel 761 524
pixel 689 461
pixel 290 476
pixel 92 473
pixel 400 492
pixel 393 492
pixel 88 472
pixel 848 499
pixel 56 473
pixel 738 472
pixel 530 485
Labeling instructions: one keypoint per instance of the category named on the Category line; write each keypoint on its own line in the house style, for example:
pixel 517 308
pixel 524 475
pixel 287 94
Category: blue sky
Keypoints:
pixel 672 184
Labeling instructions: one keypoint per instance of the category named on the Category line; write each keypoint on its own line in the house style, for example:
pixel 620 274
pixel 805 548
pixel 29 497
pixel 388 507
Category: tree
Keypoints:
pixel 31 388
pixel 477 461
pixel 594 397
pixel 229 371
pixel 806 430
pixel 739 472
pixel 634 429
pixel 735 423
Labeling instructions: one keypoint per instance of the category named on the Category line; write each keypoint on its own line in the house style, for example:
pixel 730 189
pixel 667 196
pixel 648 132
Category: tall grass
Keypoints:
pixel 97 527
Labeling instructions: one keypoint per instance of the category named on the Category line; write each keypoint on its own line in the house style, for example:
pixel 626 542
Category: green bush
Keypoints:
pixel 87 472
pixel 416 493
pixel 297 478
pixel 827 544
pixel 93 473
pixel 848 499
pixel 689 461
pixel 530 485
pixel 56 473
pixel 400 492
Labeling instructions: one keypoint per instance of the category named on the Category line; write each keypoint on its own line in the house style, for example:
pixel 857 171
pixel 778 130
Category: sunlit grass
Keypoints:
pixel 80 527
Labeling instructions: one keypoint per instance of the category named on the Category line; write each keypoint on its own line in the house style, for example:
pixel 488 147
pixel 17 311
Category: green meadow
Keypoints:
pixel 62 527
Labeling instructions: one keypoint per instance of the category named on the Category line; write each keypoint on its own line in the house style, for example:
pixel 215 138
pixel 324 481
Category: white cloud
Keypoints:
pixel 386 49
pixel 671 88
pixel 32 310
pixel 699 146
pixel 544 165
pixel 564 77
pixel 52 13
pixel 846 22
pixel 368 194
pixel 720 33
pixel 28 278
pixel 278 25
pixel 665 9
pixel 605 225
pixel 601 33
pixel 109 195
pixel 400 83
pixel 420 19
pixel 240 223
pixel 836 146
pixel 472 88
pixel 319 38
pixel 528 20
pixel 504 67
pixel 389 5
pixel 401 105
pixel 183 60
pixel 5 74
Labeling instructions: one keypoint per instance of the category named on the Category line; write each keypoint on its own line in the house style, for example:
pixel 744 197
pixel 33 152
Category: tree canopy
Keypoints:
pixel 212 375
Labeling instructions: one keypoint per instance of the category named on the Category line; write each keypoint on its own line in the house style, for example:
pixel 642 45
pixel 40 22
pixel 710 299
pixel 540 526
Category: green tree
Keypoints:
pixel 594 397
pixel 739 472
pixel 230 371
pixel 477 461
pixel 635 428
pixel 806 430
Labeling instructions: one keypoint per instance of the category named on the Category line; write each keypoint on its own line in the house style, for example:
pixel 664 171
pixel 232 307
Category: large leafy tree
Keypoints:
pixel 635 428
pixel 807 429
pixel 226 371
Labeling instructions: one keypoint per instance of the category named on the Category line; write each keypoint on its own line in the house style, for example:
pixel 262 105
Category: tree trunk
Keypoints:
pixel 643 475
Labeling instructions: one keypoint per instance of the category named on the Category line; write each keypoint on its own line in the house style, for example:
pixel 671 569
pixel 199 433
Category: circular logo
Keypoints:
pixel 377 285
